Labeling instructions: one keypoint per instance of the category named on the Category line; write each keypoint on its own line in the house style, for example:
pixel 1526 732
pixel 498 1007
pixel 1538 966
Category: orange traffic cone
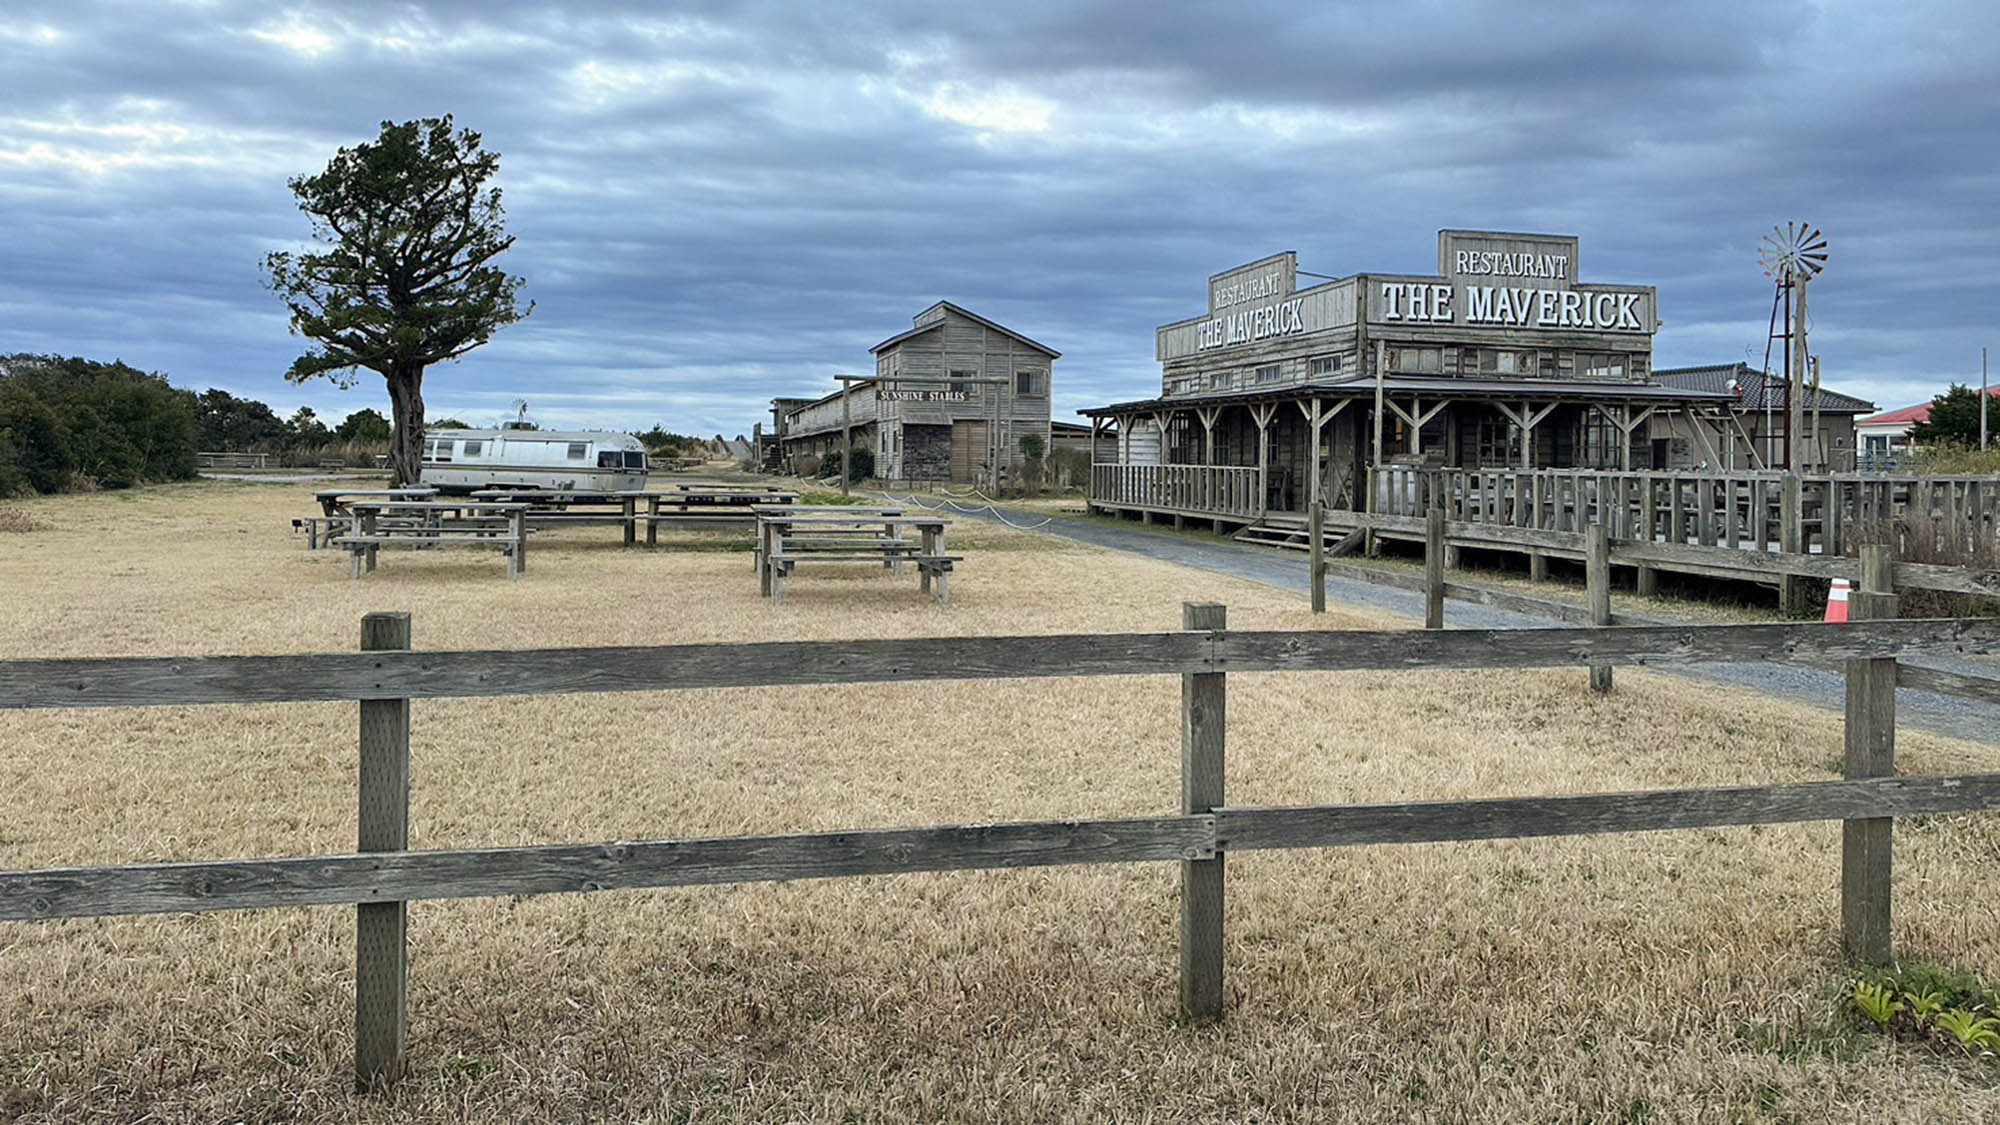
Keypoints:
pixel 1836 602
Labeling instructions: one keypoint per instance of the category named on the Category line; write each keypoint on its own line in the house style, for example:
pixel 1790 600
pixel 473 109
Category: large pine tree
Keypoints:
pixel 406 279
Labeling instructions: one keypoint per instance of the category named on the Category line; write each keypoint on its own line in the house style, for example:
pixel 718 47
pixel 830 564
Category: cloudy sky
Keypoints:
pixel 717 203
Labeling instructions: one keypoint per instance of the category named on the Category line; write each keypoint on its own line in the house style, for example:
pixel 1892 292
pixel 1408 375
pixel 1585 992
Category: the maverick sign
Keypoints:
pixel 1485 279
pixel 1490 279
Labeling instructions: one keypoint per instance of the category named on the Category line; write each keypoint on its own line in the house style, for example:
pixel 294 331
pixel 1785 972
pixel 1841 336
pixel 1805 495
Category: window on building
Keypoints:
pixel 1597 441
pixel 1326 365
pixel 1600 366
pixel 578 450
pixel 1428 361
pixel 1497 442
pixel 1267 373
pixel 959 384
pixel 1030 383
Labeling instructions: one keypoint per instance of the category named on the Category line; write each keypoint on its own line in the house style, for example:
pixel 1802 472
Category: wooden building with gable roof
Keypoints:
pixel 952 399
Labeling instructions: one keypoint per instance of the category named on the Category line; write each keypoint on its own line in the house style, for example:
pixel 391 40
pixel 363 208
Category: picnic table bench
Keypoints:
pixel 788 535
pixel 336 506
pixel 424 524
pixel 709 507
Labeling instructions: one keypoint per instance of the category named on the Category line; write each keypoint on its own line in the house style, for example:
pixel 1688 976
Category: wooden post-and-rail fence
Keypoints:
pixel 383 876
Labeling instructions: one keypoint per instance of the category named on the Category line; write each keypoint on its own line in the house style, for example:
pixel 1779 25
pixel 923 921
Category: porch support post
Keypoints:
pixel 1261 413
pixel 1208 415
pixel 1314 420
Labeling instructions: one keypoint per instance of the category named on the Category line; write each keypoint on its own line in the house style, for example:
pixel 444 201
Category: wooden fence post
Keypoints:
pixel 1871 752
pixel 381 953
pixel 1316 528
pixel 1597 580
pixel 1204 716
pixel 1434 566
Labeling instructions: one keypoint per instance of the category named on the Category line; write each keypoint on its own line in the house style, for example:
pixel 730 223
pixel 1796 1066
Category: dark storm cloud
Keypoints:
pixel 718 203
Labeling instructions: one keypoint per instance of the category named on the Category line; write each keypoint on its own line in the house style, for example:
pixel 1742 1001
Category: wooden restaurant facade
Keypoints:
pixel 1279 396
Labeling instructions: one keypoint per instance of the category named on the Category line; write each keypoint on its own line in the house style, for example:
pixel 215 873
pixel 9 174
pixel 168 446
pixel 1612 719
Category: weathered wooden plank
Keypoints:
pixel 1597 578
pixel 1434 569
pixel 1631 645
pixel 1662 810
pixel 346 879
pixel 1204 739
pixel 151 681
pixel 1984 688
pixel 1950 579
pixel 381 929
pixel 1865 860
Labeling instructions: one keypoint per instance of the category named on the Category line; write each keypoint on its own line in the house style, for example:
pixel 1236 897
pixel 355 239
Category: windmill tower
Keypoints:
pixel 1792 255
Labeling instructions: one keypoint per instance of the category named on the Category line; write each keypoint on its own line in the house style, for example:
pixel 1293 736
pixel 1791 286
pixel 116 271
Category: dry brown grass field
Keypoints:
pixel 1656 977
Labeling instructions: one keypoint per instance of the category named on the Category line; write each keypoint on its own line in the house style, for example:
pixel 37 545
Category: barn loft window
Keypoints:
pixel 958 382
pixel 1029 383
pixel 578 450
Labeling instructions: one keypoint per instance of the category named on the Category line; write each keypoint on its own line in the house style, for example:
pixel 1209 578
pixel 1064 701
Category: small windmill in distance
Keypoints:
pixel 1792 255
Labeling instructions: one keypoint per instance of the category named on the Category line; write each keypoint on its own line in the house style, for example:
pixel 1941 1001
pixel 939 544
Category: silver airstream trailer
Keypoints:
pixel 468 460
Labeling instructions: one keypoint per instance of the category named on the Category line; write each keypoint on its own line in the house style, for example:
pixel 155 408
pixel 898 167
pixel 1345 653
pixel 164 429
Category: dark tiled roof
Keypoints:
pixel 1758 390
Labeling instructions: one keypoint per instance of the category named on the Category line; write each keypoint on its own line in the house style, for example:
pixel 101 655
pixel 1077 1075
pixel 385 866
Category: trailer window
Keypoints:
pixel 472 448
pixel 610 459
pixel 635 460
pixel 443 451
pixel 578 449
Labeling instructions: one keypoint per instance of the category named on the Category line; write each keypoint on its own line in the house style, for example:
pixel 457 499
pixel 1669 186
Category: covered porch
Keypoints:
pixel 1238 458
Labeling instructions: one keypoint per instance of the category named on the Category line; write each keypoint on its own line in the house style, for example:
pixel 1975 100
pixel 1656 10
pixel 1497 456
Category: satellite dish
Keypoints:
pixel 1793 254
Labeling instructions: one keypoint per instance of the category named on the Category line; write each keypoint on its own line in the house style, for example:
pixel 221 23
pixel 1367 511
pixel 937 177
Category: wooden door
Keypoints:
pixel 968 452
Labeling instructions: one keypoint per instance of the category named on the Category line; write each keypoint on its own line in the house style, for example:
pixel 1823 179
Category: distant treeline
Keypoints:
pixel 69 424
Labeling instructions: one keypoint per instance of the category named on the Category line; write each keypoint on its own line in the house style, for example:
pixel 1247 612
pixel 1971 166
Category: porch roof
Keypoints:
pixel 1479 390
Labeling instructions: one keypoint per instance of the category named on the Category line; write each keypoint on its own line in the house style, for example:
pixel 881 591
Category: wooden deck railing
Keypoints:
pixel 1797 514
pixel 1229 491
pixel 382 875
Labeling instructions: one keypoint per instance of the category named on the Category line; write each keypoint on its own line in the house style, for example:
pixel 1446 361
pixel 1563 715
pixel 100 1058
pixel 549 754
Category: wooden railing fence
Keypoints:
pixel 1827 514
pixel 383 876
pixel 1230 491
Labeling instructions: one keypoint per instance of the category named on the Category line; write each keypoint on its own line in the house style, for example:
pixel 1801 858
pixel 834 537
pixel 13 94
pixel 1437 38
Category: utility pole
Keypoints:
pixel 1983 398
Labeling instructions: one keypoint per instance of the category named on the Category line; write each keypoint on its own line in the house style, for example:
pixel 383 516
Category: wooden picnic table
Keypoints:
pixel 422 524
pixel 689 506
pixel 790 534
pixel 337 516
pixel 335 501
pixel 696 506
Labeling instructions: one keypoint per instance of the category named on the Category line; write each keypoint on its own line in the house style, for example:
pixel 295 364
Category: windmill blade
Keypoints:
pixel 1796 252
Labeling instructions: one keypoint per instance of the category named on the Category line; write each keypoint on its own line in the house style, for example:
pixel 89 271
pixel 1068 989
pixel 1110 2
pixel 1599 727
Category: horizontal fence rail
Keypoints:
pixel 330 677
pixel 339 880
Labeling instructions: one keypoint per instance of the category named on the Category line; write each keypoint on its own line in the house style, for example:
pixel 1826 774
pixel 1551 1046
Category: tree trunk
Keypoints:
pixel 406 402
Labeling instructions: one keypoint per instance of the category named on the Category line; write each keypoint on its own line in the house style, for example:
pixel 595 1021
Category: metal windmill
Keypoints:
pixel 1793 255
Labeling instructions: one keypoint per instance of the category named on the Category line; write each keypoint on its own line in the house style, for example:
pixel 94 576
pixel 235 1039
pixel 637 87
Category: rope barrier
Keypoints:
pixel 955 506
